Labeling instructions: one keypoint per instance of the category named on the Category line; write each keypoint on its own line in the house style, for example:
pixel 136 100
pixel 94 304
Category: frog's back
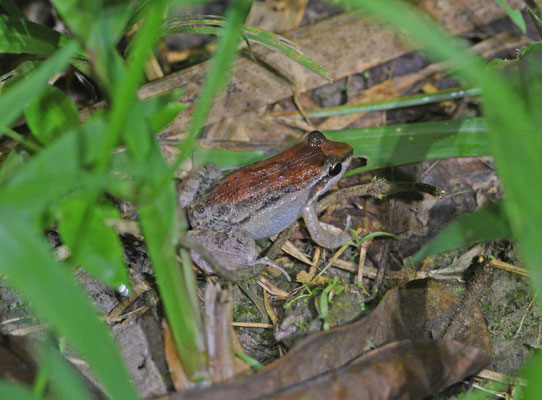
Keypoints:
pixel 294 168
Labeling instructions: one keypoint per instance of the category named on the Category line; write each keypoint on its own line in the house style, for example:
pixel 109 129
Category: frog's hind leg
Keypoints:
pixel 234 249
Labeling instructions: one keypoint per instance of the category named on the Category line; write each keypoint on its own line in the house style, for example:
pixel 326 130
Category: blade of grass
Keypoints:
pixel 12 102
pixel 407 101
pixel 286 47
pixel 30 145
pixel 514 15
pixel 15 391
pixel 214 26
pixel 99 26
pixel 123 93
pixel 401 144
pixel 489 223
pixel 65 382
pixel 158 214
pixel 160 231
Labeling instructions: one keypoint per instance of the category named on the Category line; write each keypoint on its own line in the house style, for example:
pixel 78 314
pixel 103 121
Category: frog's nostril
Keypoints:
pixel 335 169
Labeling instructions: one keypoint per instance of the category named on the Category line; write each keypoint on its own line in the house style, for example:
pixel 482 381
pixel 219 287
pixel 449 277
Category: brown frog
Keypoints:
pixel 229 213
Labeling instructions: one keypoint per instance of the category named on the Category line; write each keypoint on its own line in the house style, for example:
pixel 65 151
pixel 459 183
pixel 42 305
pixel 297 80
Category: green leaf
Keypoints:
pixel 97 248
pixel 51 115
pixel 401 144
pixel 98 22
pixel 214 26
pixel 51 174
pixel 526 77
pixel 65 381
pixel 19 35
pixel 12 102
pixel 15 391
pixel 99 25
pixel 10 78
pixel 514 15
pixel 531 372
pixel 386 146
pixel 373 235
pixel 51 292
pixel 252 362
pixel 489 223
pixel 11 164
pixel 159 224
pixel 408 101
pixel 149 117
pixel 123 92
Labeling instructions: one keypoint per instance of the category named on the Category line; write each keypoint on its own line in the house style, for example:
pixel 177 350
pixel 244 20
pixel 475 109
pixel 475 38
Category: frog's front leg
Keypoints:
pixel 318 233
pixel 234 248
pixel 197 182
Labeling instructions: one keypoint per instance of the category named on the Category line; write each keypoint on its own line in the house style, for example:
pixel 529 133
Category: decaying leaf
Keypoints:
pixel 400 370
pixel 420 310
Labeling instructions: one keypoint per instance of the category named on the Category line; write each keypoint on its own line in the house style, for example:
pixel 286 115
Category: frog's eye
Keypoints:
pixel 335 170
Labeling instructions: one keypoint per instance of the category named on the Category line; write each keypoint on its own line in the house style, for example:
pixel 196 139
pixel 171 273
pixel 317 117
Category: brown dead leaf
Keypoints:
pixel 400 370
pixel 419 310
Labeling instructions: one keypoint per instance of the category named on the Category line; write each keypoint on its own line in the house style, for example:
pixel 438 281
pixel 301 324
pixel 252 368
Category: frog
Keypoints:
pixel 229 213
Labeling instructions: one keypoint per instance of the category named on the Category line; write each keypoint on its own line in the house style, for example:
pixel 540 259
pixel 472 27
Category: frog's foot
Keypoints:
pixel 267 261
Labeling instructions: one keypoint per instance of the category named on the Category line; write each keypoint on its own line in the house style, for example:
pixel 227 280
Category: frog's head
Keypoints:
pixel 335 156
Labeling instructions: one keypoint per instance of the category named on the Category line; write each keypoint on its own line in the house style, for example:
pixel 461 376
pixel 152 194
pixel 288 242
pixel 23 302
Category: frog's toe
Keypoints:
pixel 267 261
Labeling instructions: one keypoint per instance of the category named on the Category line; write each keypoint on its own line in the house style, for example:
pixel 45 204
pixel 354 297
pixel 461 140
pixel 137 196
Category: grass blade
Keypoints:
pixel 401 144
pixel 388 146
pixel 489 223
pixel 51 115
pixel 286 47
pixel 214 25
pixel 407 101
pixel 65 382
pixel 159 225
pixel 514 15
pixel 14 391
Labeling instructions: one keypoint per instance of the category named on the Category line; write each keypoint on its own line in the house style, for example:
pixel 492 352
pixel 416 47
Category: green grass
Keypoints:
pixel 65 171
